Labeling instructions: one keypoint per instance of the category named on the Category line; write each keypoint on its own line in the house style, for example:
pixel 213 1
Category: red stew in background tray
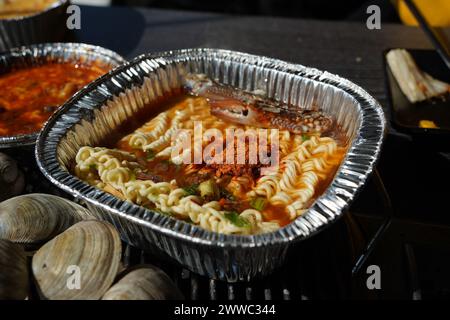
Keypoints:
pixel 29 96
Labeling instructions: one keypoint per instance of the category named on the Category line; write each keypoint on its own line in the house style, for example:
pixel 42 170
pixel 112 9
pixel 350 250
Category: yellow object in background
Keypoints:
pixel 428 124
pixel 437 12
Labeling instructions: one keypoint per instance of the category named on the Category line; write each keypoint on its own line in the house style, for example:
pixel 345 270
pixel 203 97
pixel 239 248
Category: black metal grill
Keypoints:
pixel 316 269
pixel 195 287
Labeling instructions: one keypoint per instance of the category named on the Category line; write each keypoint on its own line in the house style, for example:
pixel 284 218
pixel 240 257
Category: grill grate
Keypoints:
pixel 195 287
pixel 314 270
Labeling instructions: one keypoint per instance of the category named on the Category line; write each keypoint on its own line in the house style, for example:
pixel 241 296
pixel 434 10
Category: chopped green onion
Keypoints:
pixel 236 219
pixel 191 190
pixel 305 137
pixel 150 154
pixel 258 203
pixel 209 189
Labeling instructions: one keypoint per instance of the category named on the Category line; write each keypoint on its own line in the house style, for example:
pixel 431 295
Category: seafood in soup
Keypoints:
pixel 204 160
pixel 237 106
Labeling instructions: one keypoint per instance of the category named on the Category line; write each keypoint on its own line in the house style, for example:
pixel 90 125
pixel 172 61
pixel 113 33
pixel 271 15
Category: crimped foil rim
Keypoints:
pixel 366 146
pixel 56 4
pixel 57 49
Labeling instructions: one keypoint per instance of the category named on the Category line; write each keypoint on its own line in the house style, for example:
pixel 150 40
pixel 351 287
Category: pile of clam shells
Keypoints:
pixel 58 248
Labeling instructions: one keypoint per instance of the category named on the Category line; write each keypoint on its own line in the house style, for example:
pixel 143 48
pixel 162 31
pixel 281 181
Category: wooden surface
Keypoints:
pixel 348 49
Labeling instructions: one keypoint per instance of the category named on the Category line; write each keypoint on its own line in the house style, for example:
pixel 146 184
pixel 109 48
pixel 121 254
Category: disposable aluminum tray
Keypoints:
pixel 48 25
pixel 104 105
pixel 33 55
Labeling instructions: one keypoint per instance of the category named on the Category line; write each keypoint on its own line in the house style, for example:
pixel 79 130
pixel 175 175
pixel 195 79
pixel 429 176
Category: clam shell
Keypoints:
pixel 80 263
pixel 14 282
pixel 145 283
pixel 35 218
pixel 12 181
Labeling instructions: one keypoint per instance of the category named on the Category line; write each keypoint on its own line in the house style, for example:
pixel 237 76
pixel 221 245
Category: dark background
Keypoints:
pixel 351 10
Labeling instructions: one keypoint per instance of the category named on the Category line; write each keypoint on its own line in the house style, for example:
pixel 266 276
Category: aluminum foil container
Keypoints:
pixel 51 52
pixel 46 26
pixel 96 112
